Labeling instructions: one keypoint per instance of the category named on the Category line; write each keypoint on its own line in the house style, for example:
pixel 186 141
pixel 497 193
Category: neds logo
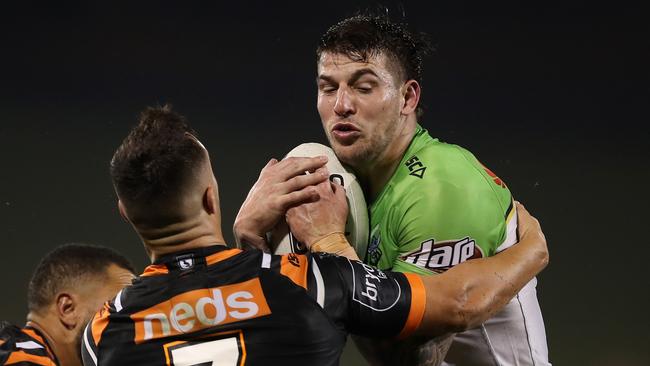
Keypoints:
pixel 198 309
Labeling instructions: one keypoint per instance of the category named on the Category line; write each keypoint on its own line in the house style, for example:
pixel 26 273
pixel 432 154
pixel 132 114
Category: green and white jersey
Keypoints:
pixel 441 207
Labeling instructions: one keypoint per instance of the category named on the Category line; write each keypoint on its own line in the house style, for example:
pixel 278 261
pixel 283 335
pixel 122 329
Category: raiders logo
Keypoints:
pixel 443 255
pixel 374 253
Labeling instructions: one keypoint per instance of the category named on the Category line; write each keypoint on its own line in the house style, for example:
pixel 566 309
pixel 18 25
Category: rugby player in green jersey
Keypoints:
pixel 432 205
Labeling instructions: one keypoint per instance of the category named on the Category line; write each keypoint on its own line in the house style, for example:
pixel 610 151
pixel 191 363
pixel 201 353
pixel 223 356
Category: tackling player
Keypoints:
pixel 67 288
pixel 200 302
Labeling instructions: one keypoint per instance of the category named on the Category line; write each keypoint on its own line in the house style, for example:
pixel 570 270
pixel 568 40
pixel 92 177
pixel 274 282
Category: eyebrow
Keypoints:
pixel 353 78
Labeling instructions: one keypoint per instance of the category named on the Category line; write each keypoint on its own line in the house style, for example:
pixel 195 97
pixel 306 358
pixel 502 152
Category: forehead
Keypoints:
pixel 338 64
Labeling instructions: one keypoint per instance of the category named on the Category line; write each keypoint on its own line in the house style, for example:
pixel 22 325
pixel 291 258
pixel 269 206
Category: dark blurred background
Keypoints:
pixel 548 96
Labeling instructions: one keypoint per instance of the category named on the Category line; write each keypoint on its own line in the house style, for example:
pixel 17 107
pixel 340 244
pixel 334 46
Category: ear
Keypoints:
pixel 210 200
pixel 67 310
pixel 411 92
pixel 122 209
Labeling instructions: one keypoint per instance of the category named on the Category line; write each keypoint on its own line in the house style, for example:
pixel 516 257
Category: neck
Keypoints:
pixel 60 340
pixel 375 174
pixel 181 236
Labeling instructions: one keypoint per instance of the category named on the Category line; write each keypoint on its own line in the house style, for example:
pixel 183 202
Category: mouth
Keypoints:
pixel 345 133
pixel 344 127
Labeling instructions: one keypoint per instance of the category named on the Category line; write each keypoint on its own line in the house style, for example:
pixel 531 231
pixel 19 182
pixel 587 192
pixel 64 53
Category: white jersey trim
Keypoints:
pixel 511 230
pixel 118 301
pixel 87 345
pixel 28 345
pixel 266 260
pixel 320 285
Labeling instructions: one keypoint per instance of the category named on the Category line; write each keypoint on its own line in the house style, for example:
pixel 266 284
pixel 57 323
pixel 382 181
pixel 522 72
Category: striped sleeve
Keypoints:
pixel 418 304
pixel 22 358
pixel 368 301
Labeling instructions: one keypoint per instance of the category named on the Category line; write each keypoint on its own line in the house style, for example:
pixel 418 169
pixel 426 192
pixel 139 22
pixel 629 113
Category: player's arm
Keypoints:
pixel 388 304
pixel 470 293
pixel 280 186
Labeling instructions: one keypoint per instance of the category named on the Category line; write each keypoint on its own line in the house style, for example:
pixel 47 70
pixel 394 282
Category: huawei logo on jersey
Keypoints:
pixel 443 255
pixel 198 309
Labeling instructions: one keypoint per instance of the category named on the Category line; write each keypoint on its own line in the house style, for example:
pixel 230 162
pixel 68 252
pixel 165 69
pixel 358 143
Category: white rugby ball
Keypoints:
pixel 356 226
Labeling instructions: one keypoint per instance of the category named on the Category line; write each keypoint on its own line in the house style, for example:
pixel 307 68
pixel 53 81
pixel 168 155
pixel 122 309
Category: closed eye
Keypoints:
pixel 327 88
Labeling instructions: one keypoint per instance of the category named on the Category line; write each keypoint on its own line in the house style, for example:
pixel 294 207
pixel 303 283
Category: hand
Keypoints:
pixel 280 186
pixel 314 220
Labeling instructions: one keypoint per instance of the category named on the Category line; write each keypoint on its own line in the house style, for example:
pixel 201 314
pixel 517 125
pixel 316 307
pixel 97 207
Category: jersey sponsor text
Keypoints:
pixel 198 309
pixel 368 288
pixel 443 255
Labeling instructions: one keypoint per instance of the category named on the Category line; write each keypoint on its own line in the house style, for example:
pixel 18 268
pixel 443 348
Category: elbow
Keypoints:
pixel 545 259
pixel 543 256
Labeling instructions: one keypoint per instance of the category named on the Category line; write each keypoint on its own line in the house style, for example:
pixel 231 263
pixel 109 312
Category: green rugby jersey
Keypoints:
pixel 441 207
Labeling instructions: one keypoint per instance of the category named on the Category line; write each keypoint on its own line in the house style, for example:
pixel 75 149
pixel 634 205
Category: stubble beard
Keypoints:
pixel 363 152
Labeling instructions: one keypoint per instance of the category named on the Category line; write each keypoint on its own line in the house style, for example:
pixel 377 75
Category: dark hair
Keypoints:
pixel 365 35
pixel 156 158
pixel 66 266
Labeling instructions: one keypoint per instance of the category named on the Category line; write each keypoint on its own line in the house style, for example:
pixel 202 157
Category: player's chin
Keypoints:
pixel 347 154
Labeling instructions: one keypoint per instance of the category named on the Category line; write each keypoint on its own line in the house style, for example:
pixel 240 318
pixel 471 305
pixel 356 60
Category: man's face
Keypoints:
pixel 95 294
pixel 104 290
pixel 359 105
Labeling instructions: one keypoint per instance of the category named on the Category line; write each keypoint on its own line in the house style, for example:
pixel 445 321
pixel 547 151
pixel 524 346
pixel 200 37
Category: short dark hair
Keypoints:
pixel 66 266
pixel 156 159
pixel 367 35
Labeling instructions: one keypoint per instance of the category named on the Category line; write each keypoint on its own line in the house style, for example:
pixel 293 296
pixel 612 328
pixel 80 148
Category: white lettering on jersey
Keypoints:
pixel 443 255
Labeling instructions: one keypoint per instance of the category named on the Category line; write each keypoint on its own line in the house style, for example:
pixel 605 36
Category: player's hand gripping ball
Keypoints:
pixel 356 226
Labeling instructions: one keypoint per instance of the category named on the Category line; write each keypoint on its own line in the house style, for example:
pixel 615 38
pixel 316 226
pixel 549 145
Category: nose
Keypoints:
pixel 344 105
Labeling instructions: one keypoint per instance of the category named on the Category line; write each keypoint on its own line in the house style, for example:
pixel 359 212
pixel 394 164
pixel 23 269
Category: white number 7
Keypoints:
pixel 220 352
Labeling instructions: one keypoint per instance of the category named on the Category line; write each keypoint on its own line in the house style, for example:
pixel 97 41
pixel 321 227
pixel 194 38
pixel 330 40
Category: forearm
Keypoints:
pixel 471 292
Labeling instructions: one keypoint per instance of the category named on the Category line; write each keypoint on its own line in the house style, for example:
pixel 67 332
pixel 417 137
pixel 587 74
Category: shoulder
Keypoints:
pixel 8 335
pixel 445 174
pixel 23 346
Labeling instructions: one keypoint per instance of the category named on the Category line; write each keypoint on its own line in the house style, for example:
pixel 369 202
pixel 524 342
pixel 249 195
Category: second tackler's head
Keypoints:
pixel 68 286
pixel 163 176
pixel 369 73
